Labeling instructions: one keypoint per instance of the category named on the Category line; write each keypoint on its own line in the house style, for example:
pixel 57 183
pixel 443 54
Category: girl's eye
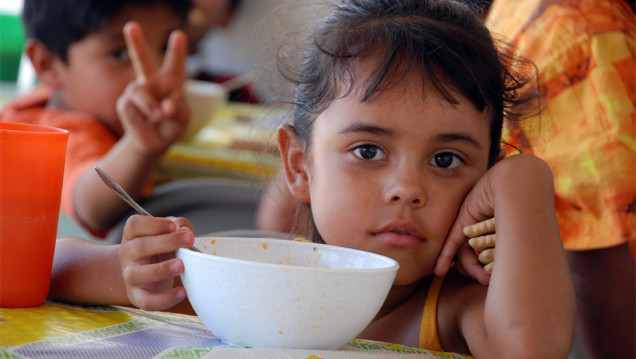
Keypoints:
pixel 369 152
pixel 446 160
pixel 120 54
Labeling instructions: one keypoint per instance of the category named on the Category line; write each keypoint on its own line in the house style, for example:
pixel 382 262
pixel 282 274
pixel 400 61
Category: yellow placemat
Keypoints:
pixel 238 142
pixel 56 330
pixel 20 326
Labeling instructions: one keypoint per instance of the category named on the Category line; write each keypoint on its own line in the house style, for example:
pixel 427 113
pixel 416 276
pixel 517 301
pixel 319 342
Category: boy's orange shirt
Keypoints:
pixel 88 140
pixel 585 56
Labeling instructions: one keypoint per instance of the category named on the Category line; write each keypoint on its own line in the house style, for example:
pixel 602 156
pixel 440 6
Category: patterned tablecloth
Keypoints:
pixel 56 330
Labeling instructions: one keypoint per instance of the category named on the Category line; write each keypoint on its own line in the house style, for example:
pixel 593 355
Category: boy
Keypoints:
pixel 78 50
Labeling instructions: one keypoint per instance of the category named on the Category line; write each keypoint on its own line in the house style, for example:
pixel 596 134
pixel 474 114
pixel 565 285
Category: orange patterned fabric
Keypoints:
pixel 584 51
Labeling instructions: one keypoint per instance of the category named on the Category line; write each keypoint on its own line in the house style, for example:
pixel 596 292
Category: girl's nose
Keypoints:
pixel 408 189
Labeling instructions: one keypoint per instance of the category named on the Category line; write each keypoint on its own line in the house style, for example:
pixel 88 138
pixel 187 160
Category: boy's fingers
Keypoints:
pixel 143 299
pixel 139 275
pixel 144 247
pixel 174 62
pixel 141 226
pixel 129 112
pixel 147 105
pixel 181 222
pixel 138 51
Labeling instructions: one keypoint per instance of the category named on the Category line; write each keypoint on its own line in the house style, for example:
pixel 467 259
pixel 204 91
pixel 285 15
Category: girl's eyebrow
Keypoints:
pixel 375 130
pixel 458 137
pixel 442 138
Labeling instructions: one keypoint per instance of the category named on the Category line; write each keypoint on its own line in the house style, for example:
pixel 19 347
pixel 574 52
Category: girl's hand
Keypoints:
pixel 152 109
pixel 470 225
pixel 148 263
pixel 531 286
pixel 481 241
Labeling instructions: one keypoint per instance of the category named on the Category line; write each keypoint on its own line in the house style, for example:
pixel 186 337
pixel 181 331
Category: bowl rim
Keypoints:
pixel 201 87
pixel 394 266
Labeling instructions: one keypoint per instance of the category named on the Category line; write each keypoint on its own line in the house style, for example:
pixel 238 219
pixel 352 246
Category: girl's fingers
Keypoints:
pixel 138 51
pixel 488 268
pixel 454 240
pixel 483 242
pixel 146 300
pixel 487 256
pixel 174 62
pixel 478 229
pixel 471 266
pixel 140 275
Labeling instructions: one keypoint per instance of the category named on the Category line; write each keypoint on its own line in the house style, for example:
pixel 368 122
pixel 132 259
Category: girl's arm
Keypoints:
pixel 529 310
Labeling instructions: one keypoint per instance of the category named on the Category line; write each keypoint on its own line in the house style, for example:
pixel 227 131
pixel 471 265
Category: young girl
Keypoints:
pixel 394 148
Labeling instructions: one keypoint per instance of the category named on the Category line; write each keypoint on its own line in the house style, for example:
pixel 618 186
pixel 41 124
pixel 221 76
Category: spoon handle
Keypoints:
pixel 112 184
pixel 120 192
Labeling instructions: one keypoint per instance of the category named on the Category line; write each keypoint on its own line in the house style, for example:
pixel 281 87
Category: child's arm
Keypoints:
pixel 148 262
pixel 153 114
pixel 140 271
pixel 86 273
pixel 529 309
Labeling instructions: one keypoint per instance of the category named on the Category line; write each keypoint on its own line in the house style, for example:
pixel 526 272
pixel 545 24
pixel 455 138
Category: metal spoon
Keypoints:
pixel 112 184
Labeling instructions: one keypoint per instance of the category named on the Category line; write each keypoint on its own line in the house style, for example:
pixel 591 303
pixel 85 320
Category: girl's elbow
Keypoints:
pixel 544 344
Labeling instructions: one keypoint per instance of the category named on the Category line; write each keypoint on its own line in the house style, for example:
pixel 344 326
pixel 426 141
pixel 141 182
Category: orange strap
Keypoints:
pixel 429 338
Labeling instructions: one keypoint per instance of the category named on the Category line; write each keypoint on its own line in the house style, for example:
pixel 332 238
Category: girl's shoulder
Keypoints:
pixel 461 303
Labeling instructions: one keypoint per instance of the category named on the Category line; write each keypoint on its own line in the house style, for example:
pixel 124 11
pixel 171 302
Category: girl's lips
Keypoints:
pixel 400 234
pixel 398 239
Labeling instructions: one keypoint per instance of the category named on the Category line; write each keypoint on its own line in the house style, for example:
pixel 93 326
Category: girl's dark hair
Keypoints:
pixel 443 40
pixel 60 23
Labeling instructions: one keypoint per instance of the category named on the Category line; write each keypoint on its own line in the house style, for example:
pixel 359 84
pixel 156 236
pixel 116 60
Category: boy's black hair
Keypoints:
pixel 60 23
pixel 444 41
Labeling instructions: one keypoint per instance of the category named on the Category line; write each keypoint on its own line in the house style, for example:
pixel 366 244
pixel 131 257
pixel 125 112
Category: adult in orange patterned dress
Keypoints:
pixel 584 51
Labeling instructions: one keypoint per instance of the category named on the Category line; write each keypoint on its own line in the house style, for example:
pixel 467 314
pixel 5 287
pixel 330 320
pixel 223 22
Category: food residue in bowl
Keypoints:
pixel 264 245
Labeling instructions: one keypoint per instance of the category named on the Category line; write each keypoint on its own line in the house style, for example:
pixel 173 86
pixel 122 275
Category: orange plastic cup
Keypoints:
pixel 31 172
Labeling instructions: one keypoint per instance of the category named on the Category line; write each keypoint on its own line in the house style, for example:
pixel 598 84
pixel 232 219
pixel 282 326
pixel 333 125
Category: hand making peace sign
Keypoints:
pixel 152 109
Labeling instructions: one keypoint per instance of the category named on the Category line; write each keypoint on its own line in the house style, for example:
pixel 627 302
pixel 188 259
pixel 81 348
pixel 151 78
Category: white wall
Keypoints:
pixel 10 6
pixel 253 37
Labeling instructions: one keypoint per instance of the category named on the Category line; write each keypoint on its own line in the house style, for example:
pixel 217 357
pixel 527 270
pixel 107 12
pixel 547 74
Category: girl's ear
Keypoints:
pixel 45 63
pixel 294 162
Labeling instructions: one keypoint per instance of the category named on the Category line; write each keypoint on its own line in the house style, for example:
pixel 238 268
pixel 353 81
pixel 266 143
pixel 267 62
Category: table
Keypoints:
pixel 238 142
pixel 57 330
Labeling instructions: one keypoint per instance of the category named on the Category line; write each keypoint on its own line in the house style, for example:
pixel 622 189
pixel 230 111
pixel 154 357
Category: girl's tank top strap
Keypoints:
pixel 429 338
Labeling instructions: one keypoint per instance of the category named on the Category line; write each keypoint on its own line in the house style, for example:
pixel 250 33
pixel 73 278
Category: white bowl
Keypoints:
pixel 276 293
pixel 204 99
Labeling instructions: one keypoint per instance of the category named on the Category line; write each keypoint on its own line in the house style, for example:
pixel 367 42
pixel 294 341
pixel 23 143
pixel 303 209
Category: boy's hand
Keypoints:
pixel 152 108
pixel 148 262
